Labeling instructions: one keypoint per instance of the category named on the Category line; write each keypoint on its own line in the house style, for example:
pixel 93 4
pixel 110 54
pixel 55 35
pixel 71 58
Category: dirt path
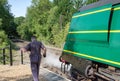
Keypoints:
pixel 23 73
pixel 16 73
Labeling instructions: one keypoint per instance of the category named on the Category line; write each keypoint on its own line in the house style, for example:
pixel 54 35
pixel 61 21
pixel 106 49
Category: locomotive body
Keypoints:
pixel 93 40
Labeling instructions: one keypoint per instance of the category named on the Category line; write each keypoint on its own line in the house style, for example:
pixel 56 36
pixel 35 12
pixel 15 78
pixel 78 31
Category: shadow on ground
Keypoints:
pixel 25 78
pixel 21 78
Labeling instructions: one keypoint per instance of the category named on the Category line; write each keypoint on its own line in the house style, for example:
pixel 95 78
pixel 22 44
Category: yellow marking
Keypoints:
pixel 118 8
pixel 96 31
pixel 100 31
pixel 96 58
pixel 97 11
pixel 115 31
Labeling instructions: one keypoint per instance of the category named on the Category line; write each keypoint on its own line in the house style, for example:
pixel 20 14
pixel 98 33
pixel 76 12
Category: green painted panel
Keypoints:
pixel 115 25
pixel 96 19
pixel 94 46
pixel 91 37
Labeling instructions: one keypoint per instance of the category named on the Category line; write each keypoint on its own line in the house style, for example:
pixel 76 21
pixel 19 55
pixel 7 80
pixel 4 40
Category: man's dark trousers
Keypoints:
pixel 35 70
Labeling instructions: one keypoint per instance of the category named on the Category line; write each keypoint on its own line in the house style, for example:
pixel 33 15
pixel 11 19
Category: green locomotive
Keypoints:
pixel 93 42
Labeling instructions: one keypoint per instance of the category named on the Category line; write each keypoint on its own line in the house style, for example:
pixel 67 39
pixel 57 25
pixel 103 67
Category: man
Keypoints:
pixel 35 56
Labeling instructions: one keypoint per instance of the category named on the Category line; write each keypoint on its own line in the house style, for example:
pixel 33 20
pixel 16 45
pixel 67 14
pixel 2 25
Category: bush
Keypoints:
pixel 59 36
pixel 3 39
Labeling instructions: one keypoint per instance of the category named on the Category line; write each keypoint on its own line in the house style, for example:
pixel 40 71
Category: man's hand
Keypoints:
pixel 44 52
pixel 23 49
pixel 44 55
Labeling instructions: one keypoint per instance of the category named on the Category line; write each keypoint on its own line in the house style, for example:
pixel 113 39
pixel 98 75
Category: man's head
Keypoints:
pixel 33 38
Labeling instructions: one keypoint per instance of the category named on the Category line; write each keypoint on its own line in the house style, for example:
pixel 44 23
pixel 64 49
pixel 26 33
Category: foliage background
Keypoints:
pixel 48 20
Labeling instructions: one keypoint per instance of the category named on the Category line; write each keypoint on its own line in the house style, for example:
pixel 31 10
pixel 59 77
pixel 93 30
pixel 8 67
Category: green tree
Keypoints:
pixel 36 17
pixel 19 20
pixel 0 23
pixel 90 1
pixel 5 15
pixel 77 3
pixel 3 39
pixel 5 21
pixel 23 31
pixel 51 21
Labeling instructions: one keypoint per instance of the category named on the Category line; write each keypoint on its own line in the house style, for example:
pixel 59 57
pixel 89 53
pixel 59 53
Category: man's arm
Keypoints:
pixel 26 48
pixel 43 50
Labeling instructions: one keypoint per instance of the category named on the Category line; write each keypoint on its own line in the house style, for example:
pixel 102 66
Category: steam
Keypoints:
pixel 52 59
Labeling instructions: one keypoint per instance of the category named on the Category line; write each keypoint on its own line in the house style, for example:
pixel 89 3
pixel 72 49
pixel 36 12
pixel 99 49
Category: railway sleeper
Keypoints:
pixel 111 74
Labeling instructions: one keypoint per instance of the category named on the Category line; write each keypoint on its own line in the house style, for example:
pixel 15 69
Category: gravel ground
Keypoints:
pixel 17 73
pixel 23 73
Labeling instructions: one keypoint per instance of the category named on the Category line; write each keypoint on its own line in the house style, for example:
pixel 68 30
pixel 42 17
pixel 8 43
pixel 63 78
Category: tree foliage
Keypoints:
pixel 5 22
pixel 90 1
pixel 0 23
pixel 5 15
pixel 19 20
pixel 3 39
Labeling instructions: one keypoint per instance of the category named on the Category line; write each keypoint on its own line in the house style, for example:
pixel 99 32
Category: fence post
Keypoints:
pixel 21 57
pixel 11 60
pixel 4 56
